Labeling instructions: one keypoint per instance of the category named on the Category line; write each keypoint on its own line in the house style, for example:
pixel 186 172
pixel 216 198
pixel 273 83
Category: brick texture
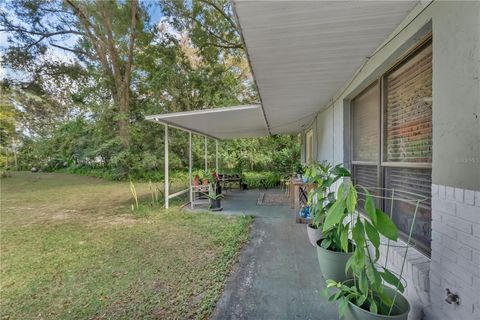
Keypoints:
pixel 455 262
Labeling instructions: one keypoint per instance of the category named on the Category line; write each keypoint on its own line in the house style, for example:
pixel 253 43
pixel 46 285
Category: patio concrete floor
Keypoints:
pixel 277 275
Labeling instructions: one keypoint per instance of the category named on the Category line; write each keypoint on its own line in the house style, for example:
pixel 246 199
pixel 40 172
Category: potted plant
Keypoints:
pixel 375 292
pixel 215 198
pixel 320 197
pixel 334 249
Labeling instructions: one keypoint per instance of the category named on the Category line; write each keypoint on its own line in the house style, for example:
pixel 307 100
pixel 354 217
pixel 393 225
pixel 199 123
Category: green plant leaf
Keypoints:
pixel 326 243
pixel 341 171
pixel 358 261
pixel 349 263
pixel 351 199
pixel 358 234
pixel 386 226
pixel 344 240
pixel 385 299
pixel 392 279
pixel 342 307
pixel 334 215
pixel 373 306
pixel 373 275
pixel 363 283
pixel 331 283
pixel 372 234
pixel 361 300
pixel 341 192
pixel 369 207
pixel 334 297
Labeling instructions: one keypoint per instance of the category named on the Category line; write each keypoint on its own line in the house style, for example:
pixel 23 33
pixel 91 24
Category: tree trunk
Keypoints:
pixel 123 119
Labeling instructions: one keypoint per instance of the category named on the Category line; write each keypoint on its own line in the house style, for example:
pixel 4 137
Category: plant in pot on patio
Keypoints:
pixel 320 197
pixel 375 292
pixel 215 198
pixel 334 249
pixel 214 191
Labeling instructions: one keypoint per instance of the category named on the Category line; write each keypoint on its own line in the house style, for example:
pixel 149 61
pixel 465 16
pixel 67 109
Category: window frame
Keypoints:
pixel 380 164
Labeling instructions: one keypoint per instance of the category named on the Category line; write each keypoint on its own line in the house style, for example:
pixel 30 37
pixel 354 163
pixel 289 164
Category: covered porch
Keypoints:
pixel 277 275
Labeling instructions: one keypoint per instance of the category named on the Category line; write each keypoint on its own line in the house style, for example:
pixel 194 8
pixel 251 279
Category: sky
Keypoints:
pixel 153 9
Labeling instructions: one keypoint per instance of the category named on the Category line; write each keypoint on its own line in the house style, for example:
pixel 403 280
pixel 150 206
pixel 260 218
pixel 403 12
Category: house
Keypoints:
pixel 392 90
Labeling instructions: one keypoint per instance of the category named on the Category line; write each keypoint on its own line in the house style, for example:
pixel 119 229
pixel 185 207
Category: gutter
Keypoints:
pixel 237 20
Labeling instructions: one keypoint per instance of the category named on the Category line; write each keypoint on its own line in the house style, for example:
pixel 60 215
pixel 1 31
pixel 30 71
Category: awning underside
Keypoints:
pixel 219 123
pixel 303 52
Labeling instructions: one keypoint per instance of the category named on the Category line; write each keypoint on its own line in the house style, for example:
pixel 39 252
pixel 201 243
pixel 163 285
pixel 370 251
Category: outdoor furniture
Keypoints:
pixel 229 180
pixel 298 195
pixel 199 193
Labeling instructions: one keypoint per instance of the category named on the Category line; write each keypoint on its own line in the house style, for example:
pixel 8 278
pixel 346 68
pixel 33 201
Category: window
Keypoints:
pixel 309 146
pixel 392 140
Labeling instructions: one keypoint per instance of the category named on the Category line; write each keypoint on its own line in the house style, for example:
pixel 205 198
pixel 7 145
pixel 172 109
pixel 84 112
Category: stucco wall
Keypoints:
pixel 456 94
pixel 456 145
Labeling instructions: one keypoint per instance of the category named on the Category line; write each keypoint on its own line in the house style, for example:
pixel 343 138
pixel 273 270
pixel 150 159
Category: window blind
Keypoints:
pixel 408 112
pixel 417 181
pixel 366 123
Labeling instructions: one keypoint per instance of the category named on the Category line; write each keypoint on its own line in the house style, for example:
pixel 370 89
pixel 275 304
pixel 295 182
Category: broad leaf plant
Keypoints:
pixel 345 230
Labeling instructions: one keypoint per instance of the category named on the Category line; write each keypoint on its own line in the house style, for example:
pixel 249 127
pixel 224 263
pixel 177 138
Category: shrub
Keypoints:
pixel 263 179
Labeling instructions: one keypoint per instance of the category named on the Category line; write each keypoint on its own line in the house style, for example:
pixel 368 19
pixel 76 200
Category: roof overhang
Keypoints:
pixel 219 123
pixel 302 52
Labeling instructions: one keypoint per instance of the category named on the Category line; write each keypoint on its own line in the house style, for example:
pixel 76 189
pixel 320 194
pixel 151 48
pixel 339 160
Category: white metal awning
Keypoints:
pixel 219 123
pixel 303 52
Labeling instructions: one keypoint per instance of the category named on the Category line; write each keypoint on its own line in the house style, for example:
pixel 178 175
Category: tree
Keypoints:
pixel 103 33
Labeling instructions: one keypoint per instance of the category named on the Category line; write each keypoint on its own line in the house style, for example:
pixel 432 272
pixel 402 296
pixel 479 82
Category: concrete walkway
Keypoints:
pixel 277 276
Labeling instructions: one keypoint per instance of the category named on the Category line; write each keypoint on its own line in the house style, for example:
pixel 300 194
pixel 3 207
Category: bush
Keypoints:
pixel 263 179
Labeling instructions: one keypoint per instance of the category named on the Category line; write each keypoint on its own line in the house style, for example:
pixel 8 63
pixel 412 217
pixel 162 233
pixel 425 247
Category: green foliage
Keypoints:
pixel 330 210
pixel 263 179
pixel 367 288
pixel 69 111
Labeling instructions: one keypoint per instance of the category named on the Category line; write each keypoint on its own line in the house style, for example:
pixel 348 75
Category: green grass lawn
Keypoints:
pixel 72 248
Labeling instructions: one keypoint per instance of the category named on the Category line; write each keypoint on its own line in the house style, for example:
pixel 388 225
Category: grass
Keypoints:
pixel 72 248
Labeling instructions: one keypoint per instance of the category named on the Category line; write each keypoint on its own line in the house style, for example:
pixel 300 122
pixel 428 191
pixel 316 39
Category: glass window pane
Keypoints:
pixel 410 184
pixel 366 123
pixel 408 111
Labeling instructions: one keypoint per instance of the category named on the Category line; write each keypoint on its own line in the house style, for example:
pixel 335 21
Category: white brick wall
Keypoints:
pixel 415 273
pixel 455 262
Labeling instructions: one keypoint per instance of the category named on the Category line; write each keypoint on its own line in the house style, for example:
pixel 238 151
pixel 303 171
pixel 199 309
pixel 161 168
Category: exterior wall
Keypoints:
pixel 455 252
pixel 455 258
pixel 456 92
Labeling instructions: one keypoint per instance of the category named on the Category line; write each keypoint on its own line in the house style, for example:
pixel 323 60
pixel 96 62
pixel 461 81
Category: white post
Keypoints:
pixel 216 156
pixel 190 167
pixel 14 147
pixel 206 154
pixel 167 182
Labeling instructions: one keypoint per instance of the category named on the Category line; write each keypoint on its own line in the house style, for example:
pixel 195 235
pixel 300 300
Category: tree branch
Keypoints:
pixel 77 51
pixel 233 46
pixel 228 43
pixel 43 34
pixel 223 13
